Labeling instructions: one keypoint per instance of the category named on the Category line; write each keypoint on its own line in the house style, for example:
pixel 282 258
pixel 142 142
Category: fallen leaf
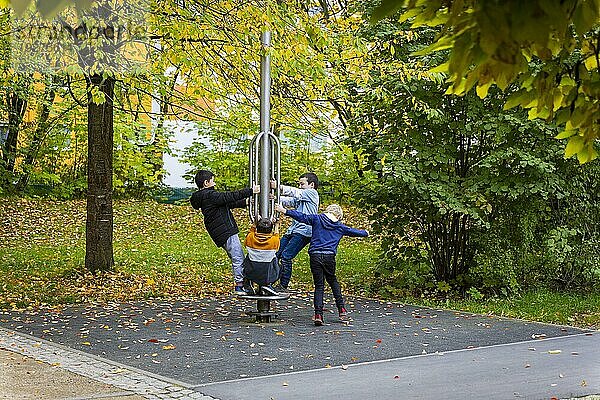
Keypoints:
pixel 117 371
pixel 280 333
pixel 284 384
pixel 169 347
pixel 554 351
pixel 86 343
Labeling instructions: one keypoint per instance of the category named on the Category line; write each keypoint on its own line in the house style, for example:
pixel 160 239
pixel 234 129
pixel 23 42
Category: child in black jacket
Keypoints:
pixel 219 222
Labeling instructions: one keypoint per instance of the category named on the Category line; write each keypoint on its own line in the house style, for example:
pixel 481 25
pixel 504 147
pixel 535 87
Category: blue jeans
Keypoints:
pixel 322 267
pixel 289 247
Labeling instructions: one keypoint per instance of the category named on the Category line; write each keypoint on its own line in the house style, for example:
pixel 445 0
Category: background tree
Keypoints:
pixel 459 182
pixel 313 50
pixel 549 48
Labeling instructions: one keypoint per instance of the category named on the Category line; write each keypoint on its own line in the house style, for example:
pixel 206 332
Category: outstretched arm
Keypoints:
pixel 222 198
pixel 298 216
pixel 352 232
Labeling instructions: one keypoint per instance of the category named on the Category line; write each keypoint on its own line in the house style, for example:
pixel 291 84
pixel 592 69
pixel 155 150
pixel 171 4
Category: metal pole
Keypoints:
pixel 265 125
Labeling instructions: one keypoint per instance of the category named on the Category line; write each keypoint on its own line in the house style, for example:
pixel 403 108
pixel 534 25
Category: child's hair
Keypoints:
pixel 201 176
pixel 264 225
pixel 311 177
pixel 336 210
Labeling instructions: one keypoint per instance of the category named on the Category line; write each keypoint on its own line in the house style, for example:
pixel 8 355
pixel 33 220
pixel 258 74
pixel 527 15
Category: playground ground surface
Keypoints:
pixel 209 349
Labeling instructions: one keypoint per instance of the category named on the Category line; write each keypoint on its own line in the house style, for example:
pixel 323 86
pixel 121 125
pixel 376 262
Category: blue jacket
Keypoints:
pixel 305 201
pixel 326 234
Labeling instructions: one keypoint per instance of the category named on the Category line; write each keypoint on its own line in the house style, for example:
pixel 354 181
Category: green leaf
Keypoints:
pixel 565 134
pixel 574 146
pixel 442 44
pixel 20 6
pixel 409 14
pixel 386 8
pixel 585 16
pixel 482 90
pixel 49 8
pixel 83 4
pixel 517 98
pixel 588 153
pixel 440 68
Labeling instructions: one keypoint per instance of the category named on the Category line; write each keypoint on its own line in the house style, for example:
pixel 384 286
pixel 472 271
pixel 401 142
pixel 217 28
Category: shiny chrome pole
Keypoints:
pixel 265 126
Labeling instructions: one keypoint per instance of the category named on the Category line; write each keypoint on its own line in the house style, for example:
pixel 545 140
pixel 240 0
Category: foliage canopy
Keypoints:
pixel 549 48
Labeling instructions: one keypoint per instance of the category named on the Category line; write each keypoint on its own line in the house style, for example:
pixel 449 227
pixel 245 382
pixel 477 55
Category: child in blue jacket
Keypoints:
pixel 327 231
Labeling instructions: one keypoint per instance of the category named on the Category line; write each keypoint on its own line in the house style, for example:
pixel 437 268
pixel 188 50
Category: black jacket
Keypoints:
pixel 216 209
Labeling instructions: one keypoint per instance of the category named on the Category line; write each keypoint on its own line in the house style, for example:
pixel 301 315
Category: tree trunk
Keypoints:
pixel 99 224
pixel 16 111
pixel 38 137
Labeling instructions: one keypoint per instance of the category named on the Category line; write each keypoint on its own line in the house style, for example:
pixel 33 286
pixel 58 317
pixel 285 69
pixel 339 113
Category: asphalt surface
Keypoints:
pixel 199 342
pixel 555 368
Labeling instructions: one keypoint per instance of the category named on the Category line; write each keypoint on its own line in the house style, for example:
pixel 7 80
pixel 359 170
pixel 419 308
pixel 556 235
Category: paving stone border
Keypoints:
pixel 148 385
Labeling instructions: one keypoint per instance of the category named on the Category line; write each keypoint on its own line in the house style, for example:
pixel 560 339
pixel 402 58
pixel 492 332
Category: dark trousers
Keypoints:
pixel 322 267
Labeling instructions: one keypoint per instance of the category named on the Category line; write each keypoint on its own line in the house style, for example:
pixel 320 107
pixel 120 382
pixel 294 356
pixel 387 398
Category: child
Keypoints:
pixel 304 199
pixel 260 265
pixel 327 231
pixel 221 226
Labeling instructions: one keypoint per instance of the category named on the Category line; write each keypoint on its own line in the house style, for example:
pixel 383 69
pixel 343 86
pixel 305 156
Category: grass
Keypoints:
pixel 159 250
pixel 543 305
pixel 164 251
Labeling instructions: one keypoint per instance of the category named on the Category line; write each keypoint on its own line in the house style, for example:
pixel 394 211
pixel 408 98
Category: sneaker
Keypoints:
pixel 342 312
pixel 270 291
pixel 318 318
pixel 249 289
pixel 240 291
pixel 280 288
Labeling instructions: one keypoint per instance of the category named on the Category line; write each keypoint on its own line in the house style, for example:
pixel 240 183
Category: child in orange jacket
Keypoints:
pixel 261 265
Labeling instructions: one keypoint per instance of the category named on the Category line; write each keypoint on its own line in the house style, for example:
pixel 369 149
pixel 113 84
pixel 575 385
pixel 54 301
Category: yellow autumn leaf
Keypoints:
pixel 574 146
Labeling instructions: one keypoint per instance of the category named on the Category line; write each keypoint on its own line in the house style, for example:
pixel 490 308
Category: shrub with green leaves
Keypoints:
pixel 463 187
